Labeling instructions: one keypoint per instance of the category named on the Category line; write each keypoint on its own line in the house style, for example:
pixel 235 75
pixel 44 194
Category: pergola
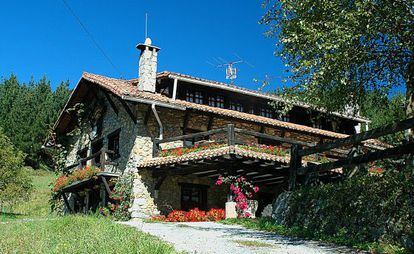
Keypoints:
pixel 94 186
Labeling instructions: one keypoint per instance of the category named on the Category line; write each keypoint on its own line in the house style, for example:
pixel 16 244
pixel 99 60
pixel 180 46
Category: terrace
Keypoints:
pixel 231 151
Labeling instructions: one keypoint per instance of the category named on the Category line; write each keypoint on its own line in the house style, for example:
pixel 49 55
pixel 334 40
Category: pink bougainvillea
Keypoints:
pixel 242 191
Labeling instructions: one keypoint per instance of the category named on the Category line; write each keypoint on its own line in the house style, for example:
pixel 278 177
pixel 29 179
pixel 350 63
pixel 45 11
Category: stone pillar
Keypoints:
pixel 143 205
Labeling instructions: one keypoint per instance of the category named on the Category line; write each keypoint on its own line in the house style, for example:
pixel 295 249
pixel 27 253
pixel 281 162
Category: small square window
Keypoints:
pixel 236 106
pixel 96 147
pixel 189 96
pixel 198 97
pixel 216 101
pixel 82 154
pixel 266 112
pixel 113 145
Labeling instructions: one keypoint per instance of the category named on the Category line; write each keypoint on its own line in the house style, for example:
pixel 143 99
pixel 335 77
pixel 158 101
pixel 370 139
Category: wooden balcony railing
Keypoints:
pixel 229 135
pixel 103 161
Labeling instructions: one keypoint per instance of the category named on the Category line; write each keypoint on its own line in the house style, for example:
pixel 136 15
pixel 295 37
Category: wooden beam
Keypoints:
pixel 231 135
pixel 128 110
pixel 65 199
pixel 369 157
pixel 186 119
pixel 147 115
pixel 358 138
pixel 102 195
pixel 270 179
pixel 108 190
pixel 111 102
pixel 210 122
pixel 191 136
pixel 295 163
pixel 275 138
pixel 159 182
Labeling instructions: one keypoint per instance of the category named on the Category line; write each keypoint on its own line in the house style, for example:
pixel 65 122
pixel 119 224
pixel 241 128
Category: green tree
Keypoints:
pixel 339 51
pixel 28 112
pixel 15 183
pixel 383 110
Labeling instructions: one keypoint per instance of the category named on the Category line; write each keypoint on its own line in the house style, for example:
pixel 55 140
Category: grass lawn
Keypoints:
pixel 38 205
pixel 77 234
pixel 45 233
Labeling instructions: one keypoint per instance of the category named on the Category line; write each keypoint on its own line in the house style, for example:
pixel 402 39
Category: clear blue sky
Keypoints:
pixel 42 38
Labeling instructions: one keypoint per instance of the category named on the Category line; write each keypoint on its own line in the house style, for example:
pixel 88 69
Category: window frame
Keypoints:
pixel 110 136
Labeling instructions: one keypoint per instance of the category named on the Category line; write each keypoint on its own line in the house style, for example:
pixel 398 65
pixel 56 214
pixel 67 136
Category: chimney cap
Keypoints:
pixel 147 43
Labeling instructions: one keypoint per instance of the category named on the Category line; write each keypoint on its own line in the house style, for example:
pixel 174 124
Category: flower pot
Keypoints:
pixel 230 210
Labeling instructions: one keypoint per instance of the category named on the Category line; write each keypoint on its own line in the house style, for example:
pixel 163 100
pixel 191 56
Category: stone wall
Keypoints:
pixel 136 145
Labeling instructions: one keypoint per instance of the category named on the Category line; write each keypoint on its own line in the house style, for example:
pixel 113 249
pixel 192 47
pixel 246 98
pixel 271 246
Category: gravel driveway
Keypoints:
pixel 211 237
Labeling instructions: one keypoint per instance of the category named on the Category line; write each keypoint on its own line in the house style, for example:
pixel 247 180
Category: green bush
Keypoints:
pixel 15 182
pixel 361 209
pixel 122 195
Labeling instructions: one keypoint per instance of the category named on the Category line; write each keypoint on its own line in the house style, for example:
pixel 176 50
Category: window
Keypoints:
pixel 96 147
pixel 266 112
pixel 113 144
pixel 82 154
pixel 251 110
pixel 317 124
pixel 196 97
pixel 284 118
pixel 216 101
pixel 236 106
pixel 193 195
pixel 189 96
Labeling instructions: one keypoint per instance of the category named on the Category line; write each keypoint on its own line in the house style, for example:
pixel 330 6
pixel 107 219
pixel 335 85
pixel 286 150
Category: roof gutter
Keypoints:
pixel 269 97
pixel 151 102
pixel 161 127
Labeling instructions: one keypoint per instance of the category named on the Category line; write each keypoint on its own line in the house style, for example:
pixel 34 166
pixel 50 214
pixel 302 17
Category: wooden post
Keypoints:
pixel 295 163
pixel 102 194
pixel 65 199
pixel 87 198
pixel 154 147
pixel 103 159
pixel 230 135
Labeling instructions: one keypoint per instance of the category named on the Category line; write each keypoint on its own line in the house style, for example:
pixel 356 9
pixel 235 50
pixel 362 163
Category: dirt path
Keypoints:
pixel 210 237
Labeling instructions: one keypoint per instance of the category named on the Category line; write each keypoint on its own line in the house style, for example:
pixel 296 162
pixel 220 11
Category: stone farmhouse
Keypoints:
pixel 177 133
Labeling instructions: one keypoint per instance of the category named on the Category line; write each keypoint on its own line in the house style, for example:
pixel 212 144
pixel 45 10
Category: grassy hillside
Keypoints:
pixel 38 205
pixel 43 233
pixel 77 234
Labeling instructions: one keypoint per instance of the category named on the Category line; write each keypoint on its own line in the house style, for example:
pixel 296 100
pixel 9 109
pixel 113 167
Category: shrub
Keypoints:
pixel 15 183
pixel 192 215
pixel 242 190
pixel 121 195
pixel 195 215
pixel 360 209
pixel 215 214
pixel 176 216
pixel 77 175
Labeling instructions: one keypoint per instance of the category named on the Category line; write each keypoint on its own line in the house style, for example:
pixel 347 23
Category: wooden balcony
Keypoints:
pixel 99 159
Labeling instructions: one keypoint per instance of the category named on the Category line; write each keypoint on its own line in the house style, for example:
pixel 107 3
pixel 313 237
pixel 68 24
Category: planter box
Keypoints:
pixel 230 211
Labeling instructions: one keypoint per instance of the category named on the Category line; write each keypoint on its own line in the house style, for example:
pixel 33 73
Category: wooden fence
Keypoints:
pixel 298 151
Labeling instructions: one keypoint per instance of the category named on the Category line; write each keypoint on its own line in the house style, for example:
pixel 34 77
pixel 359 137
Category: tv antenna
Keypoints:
pixel 264 82
pixel 231 70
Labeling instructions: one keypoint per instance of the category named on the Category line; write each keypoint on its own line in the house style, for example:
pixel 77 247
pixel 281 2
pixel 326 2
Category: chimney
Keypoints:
pixel 147 69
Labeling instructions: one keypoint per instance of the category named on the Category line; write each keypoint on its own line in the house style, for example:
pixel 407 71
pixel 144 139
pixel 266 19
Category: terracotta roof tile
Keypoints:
pixel 126 89
pixel 211 153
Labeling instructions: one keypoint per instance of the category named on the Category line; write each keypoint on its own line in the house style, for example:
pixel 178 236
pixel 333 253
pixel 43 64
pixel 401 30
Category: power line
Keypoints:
pixel 91 36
